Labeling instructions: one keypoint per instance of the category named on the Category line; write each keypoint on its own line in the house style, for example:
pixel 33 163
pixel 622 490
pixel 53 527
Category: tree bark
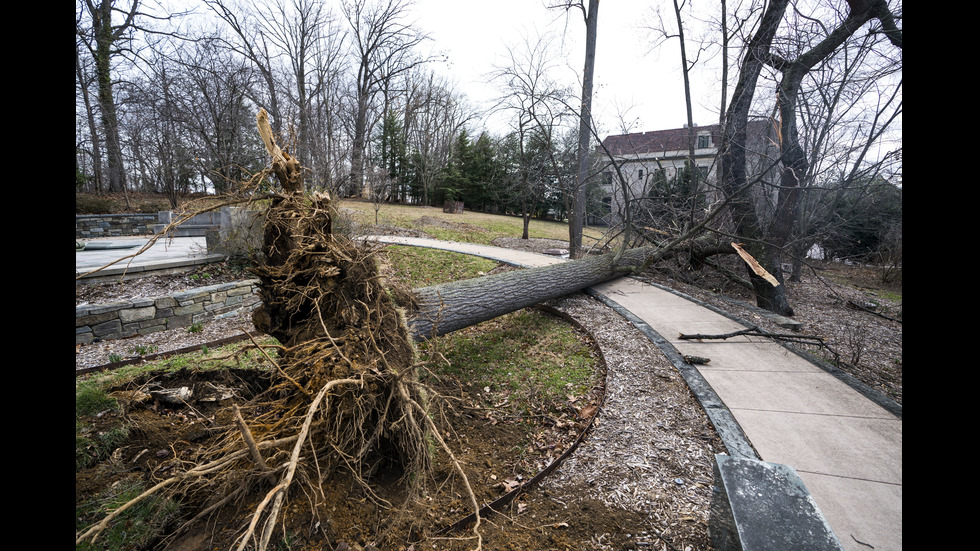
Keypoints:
pixel 576 215
pixel 452 306
pixel 733 171
pixel 105 37
pixel 766 244
pixel 93 129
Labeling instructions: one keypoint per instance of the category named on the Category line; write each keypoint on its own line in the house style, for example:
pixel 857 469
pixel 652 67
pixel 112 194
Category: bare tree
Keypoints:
pixel 539 107
pixel 250 41
pixel 214 112
pixel 107 28
pixel 95 150
pixel 296 27
pixel 383 47
pixel 329 149
pixel 106 41
pixel 766 241
pixel 576 213
pixel 848 105
pixel 435 114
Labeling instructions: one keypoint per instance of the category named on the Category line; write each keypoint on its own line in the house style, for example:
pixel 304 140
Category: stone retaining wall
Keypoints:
pixel 88 226
pixel 119 320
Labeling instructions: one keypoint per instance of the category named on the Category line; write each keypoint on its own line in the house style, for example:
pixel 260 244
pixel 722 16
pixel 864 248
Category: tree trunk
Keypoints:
pixel 576 214
pixel 360 141
pixel 104 39
pixel 93 129
pixel 733 170
pixel 452 306
pixel 693 174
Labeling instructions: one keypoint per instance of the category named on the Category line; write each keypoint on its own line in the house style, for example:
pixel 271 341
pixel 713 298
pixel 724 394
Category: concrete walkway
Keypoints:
pixel 768 403
pixel 165 254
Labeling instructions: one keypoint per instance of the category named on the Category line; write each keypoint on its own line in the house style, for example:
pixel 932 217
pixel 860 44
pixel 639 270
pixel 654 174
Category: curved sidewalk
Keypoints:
pixel 767 402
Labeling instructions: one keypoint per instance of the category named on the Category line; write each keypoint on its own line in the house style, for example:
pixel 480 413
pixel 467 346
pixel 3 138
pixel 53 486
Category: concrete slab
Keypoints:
pixel 812 393
pixel 164 254
pixel 657 307
pixel 509 256
pixel 760 506
pixel 861 448
pixel 864 514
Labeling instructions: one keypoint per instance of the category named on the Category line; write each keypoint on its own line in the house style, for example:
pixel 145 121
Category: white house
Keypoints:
pixel 642 155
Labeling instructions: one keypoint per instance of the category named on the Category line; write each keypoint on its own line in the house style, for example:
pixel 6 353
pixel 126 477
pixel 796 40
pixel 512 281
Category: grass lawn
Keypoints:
pixel 469 227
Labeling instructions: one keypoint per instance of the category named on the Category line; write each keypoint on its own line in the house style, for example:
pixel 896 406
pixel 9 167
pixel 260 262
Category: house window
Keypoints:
pixel 704 141
pixel 641 173
pixel 703 172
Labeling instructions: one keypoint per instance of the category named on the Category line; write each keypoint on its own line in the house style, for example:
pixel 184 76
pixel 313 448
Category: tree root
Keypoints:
pixel 278 492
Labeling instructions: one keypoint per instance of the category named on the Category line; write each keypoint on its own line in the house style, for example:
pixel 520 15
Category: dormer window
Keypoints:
pixel 704 141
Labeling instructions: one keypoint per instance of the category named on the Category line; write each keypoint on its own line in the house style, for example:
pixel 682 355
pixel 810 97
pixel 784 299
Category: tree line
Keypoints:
pixel 166 102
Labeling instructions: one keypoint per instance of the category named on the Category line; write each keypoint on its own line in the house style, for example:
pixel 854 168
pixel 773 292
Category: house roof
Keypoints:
pixel 659 141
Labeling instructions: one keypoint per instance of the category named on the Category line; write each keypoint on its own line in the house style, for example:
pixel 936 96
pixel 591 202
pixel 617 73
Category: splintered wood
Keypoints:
pixel 756 267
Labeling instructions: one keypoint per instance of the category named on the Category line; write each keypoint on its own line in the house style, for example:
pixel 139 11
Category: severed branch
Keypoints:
pixel 856 306
pixel 287 168
pixel 757 332
pixel 752 332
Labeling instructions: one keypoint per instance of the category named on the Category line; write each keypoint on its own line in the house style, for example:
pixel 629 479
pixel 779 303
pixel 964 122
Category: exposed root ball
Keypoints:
pixel 344 394
pixel 326 302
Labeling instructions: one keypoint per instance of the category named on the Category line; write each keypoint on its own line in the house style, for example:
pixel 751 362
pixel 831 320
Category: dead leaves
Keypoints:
pixel 510 484
pixel 588 412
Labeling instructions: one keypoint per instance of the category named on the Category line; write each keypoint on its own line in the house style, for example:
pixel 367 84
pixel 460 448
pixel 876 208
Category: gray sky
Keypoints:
pixel 634 85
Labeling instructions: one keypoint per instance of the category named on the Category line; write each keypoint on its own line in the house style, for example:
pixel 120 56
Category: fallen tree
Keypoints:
pixel 452 306
pixel 344 394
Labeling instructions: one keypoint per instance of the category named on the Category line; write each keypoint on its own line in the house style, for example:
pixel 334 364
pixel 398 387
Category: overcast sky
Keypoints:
pixel 644 88
pixel 635 85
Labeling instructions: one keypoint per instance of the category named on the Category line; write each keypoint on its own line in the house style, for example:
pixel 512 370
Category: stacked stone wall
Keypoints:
pixel 141 316
pixel 89 226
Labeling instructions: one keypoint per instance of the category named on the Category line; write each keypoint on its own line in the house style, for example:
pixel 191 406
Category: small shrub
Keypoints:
pixel 91 399
pixel 854 339
pixel 93 204
pixel 143 349
pixel 342 222
pixel 196 327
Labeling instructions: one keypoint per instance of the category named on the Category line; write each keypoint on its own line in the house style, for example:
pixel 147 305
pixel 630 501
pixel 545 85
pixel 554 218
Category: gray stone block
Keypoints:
pixel 760 506
pixel 111 327
pixel 133 315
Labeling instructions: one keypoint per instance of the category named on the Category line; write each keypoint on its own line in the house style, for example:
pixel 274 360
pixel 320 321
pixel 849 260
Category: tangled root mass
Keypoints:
pixel 324 300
